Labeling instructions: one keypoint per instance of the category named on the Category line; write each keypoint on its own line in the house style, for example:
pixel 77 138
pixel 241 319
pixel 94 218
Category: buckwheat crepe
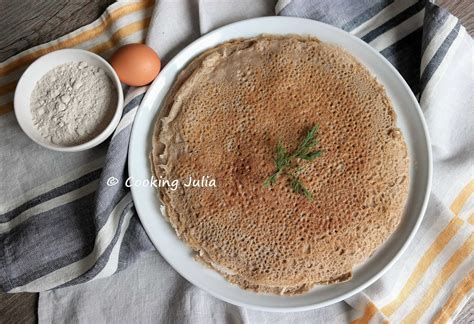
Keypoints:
pixel 224 117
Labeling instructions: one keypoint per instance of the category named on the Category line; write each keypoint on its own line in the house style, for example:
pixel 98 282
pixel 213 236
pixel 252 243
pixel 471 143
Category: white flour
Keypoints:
pixel 73 103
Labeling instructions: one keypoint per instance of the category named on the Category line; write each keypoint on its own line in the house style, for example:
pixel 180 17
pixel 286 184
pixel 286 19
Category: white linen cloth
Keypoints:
pixel 150 291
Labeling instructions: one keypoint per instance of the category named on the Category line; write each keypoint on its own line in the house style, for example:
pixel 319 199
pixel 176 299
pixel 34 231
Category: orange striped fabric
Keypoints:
pixel 422 266
pixel 459 294
pixel 427 259
pixel 448 269
pixel 462 198
pixel 369 312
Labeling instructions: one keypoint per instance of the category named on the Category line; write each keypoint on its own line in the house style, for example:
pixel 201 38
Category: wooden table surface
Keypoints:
pixel 28 23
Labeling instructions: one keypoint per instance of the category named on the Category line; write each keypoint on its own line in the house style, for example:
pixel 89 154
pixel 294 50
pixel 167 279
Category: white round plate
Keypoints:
pixel 179 256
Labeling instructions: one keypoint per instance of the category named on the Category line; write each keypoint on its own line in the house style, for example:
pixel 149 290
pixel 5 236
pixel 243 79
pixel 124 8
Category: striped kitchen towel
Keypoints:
pixel 61 225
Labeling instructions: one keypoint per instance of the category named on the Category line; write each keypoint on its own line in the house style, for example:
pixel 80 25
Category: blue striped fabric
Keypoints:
pixel 73 229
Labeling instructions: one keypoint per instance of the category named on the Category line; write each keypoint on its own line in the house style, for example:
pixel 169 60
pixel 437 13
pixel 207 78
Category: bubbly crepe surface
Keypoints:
pixel 223 118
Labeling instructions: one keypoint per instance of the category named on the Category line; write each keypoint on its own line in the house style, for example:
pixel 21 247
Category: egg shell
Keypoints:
pixel 136 64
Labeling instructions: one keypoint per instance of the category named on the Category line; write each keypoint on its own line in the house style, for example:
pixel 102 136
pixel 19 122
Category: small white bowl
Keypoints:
pixel 36 71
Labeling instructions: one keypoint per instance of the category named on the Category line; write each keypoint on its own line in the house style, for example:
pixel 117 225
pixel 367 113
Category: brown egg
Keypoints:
pixel 136 64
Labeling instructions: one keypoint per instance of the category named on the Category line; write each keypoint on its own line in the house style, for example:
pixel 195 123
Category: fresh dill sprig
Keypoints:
pixel 299 188
pixel 310 141
pixel 284 160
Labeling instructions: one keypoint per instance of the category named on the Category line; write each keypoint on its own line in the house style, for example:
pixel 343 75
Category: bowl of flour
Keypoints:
pixel 69 100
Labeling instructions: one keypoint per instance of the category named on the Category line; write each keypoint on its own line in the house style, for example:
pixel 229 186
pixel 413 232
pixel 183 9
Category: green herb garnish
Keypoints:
pixel 298 187
pixel 284 162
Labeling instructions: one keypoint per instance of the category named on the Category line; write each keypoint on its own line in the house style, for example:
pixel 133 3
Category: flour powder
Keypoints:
pixel 73 103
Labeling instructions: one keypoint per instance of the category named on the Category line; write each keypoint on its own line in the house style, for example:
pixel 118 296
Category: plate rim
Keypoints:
pixel 427 187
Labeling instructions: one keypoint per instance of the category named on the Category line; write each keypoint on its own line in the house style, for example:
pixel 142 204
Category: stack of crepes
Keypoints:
pixel 224 117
